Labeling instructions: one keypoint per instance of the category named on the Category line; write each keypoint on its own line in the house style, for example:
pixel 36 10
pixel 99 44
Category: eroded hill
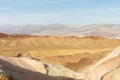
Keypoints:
pixel 72 52
pixel 106 68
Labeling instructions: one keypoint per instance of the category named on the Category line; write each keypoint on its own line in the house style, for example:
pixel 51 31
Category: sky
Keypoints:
pixel 20 12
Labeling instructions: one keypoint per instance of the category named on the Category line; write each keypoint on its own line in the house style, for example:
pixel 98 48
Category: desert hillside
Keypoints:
pixel 16 68
pixel 59 40
pixel 67 51
pixel 58 58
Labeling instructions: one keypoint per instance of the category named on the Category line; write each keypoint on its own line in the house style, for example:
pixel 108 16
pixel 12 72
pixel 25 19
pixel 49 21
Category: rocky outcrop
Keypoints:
pixel 115 53
pixel 5 76
pixel 113 75
pixel 104 66
pixel 19 66
pixel 50 69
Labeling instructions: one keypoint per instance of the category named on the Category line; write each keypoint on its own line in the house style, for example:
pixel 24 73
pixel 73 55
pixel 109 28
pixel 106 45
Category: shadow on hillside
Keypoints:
pixel 24 74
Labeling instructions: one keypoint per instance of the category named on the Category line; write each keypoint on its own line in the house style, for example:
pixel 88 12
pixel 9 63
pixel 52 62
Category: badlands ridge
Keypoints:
pixel 27 57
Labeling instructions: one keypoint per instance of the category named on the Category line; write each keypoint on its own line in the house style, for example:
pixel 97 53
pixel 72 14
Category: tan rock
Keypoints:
pixel 4 76
pixel 104 66
pixel 114 75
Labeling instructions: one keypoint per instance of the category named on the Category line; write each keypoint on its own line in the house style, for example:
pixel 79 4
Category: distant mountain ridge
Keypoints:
pixel 104 30
pixel 3 35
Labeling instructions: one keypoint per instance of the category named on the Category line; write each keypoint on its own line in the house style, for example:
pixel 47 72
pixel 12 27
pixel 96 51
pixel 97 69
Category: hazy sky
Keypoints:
pixel 59 11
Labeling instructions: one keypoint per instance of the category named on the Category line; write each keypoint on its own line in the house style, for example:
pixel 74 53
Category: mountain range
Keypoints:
pixel 104 30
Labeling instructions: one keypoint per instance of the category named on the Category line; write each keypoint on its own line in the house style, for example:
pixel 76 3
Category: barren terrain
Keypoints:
pixel 72 52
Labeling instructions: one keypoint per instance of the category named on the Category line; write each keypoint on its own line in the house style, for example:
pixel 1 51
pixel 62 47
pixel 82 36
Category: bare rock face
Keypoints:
pixel 36 69
pixel 5 76
pixel 114 75
pixel 104 66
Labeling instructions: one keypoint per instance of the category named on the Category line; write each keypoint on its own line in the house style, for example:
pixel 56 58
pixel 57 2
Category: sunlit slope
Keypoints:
pixel 106 68
pixel 57 43
pixel 73 52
